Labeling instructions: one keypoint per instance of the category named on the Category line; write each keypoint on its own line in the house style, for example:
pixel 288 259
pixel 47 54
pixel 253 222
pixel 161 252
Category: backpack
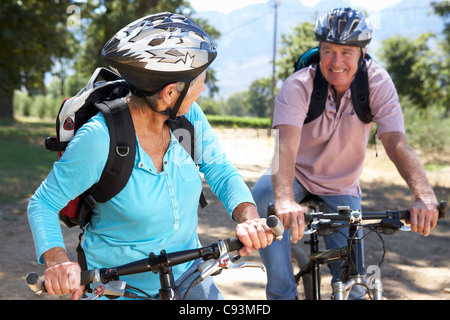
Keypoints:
pixel 359 88
pixel 106 97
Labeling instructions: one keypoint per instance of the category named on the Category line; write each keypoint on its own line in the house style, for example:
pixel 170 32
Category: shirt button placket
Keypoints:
pixel 174 201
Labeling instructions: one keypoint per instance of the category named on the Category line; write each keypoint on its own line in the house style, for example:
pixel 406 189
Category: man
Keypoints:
pixel 325 156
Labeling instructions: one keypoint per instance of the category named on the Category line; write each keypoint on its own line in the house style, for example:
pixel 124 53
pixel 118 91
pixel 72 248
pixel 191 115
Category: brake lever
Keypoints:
pixel 246 265
pixel 214 266
pixel 99 289
pixel 406 229
pixel 224 261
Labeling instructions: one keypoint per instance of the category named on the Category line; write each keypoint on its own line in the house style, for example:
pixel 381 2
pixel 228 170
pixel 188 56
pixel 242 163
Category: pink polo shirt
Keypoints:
pixel 332 148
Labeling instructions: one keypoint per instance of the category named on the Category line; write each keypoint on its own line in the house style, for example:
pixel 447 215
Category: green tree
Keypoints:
pixel 258 97
pixel 237 104
pixel 33 33
pixel 414 68
pixel 442 8
pixel 292 46
pixel 211 106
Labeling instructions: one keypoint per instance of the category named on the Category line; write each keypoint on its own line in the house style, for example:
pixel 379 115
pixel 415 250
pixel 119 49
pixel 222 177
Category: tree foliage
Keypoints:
pixel 258 97
pixel 442 8
pixel 293 45
pixel 58 36
pixel 33 34
pixel 414 68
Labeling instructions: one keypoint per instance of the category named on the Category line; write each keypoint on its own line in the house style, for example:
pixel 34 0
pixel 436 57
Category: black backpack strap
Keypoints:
pixel 360 94
pixel 186 138
pixel 318 96
pixel 121 158
pixel 81 256
pixel 184 131
pixel 320 84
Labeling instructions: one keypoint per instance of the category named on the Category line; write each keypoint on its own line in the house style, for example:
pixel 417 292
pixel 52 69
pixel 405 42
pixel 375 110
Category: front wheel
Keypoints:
pixel 300 259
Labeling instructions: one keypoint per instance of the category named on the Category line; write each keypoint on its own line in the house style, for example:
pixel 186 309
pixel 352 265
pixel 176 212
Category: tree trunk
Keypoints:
pixel 6 102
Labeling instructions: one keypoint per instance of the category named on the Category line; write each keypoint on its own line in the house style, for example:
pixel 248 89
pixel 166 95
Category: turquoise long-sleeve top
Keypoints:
pixel 155 210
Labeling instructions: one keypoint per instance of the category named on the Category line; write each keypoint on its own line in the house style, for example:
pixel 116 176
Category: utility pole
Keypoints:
pixel 272 90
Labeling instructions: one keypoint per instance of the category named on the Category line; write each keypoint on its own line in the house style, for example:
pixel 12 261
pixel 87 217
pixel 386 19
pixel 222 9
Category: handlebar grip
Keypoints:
pixel 233 244
pixel 87 276
pixel 34 282
pixel 275 224
pixel 442 209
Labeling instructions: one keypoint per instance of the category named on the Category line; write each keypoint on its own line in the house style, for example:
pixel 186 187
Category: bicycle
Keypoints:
pixel 106 281
pixel 353 271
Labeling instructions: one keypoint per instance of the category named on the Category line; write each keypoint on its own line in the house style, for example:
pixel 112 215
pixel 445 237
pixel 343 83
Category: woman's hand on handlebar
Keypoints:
pixel 291 214
pixel 254 234
pixel 252 231
pixel 61 275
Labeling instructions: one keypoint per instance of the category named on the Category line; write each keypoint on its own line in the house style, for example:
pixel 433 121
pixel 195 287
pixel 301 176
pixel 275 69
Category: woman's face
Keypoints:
pixel 193 94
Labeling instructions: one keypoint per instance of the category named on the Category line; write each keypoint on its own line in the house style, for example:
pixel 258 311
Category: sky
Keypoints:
pixel 226 6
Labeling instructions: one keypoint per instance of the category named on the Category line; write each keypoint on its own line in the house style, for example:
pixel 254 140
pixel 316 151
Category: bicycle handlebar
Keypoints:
pixel 167 259
pixel 154 263
pixel 345 214
pixel 144 265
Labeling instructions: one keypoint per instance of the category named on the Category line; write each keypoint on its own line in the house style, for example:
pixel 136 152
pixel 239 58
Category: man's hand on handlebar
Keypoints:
pixel 423 215
pixel 291 214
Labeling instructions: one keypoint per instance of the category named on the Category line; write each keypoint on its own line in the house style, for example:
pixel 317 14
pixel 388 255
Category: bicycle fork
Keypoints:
pixel 356 273
pixel 341 290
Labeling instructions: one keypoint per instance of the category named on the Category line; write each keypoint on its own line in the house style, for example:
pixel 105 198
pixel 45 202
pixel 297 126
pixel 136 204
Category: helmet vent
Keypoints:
pixel 341 27
pixel 354 25
pixel 157 41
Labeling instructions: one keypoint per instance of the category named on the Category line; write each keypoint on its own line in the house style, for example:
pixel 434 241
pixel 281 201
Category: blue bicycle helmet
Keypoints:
pixel 345 26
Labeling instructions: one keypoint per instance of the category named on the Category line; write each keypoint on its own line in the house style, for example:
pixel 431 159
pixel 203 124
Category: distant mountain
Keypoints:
pixel 246 45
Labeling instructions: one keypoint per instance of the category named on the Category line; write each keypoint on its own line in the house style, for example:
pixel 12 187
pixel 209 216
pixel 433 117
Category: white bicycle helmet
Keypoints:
pixel 157 50
pixel 344 26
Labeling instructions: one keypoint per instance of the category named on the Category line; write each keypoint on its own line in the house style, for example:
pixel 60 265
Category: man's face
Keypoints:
pixel 339 64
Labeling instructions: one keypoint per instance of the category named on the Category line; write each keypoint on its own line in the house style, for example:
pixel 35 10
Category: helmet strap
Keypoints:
pixel 172 114
pixel 361 58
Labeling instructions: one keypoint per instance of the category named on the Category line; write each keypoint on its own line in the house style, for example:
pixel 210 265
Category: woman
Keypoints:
pixel 163 58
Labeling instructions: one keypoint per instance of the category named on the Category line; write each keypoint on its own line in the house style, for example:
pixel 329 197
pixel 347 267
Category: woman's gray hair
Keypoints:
pixel 179 86
pixel 138 101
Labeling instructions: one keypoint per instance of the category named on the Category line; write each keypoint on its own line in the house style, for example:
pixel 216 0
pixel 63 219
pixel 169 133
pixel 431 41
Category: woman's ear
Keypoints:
pixel 169 94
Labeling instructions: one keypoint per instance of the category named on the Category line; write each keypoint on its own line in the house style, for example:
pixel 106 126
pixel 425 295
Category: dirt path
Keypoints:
pixel 414 267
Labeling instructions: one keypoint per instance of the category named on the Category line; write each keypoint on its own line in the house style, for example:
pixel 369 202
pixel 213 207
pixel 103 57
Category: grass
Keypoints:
pixel 238 122
pixel 436 166
pixel 24 162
